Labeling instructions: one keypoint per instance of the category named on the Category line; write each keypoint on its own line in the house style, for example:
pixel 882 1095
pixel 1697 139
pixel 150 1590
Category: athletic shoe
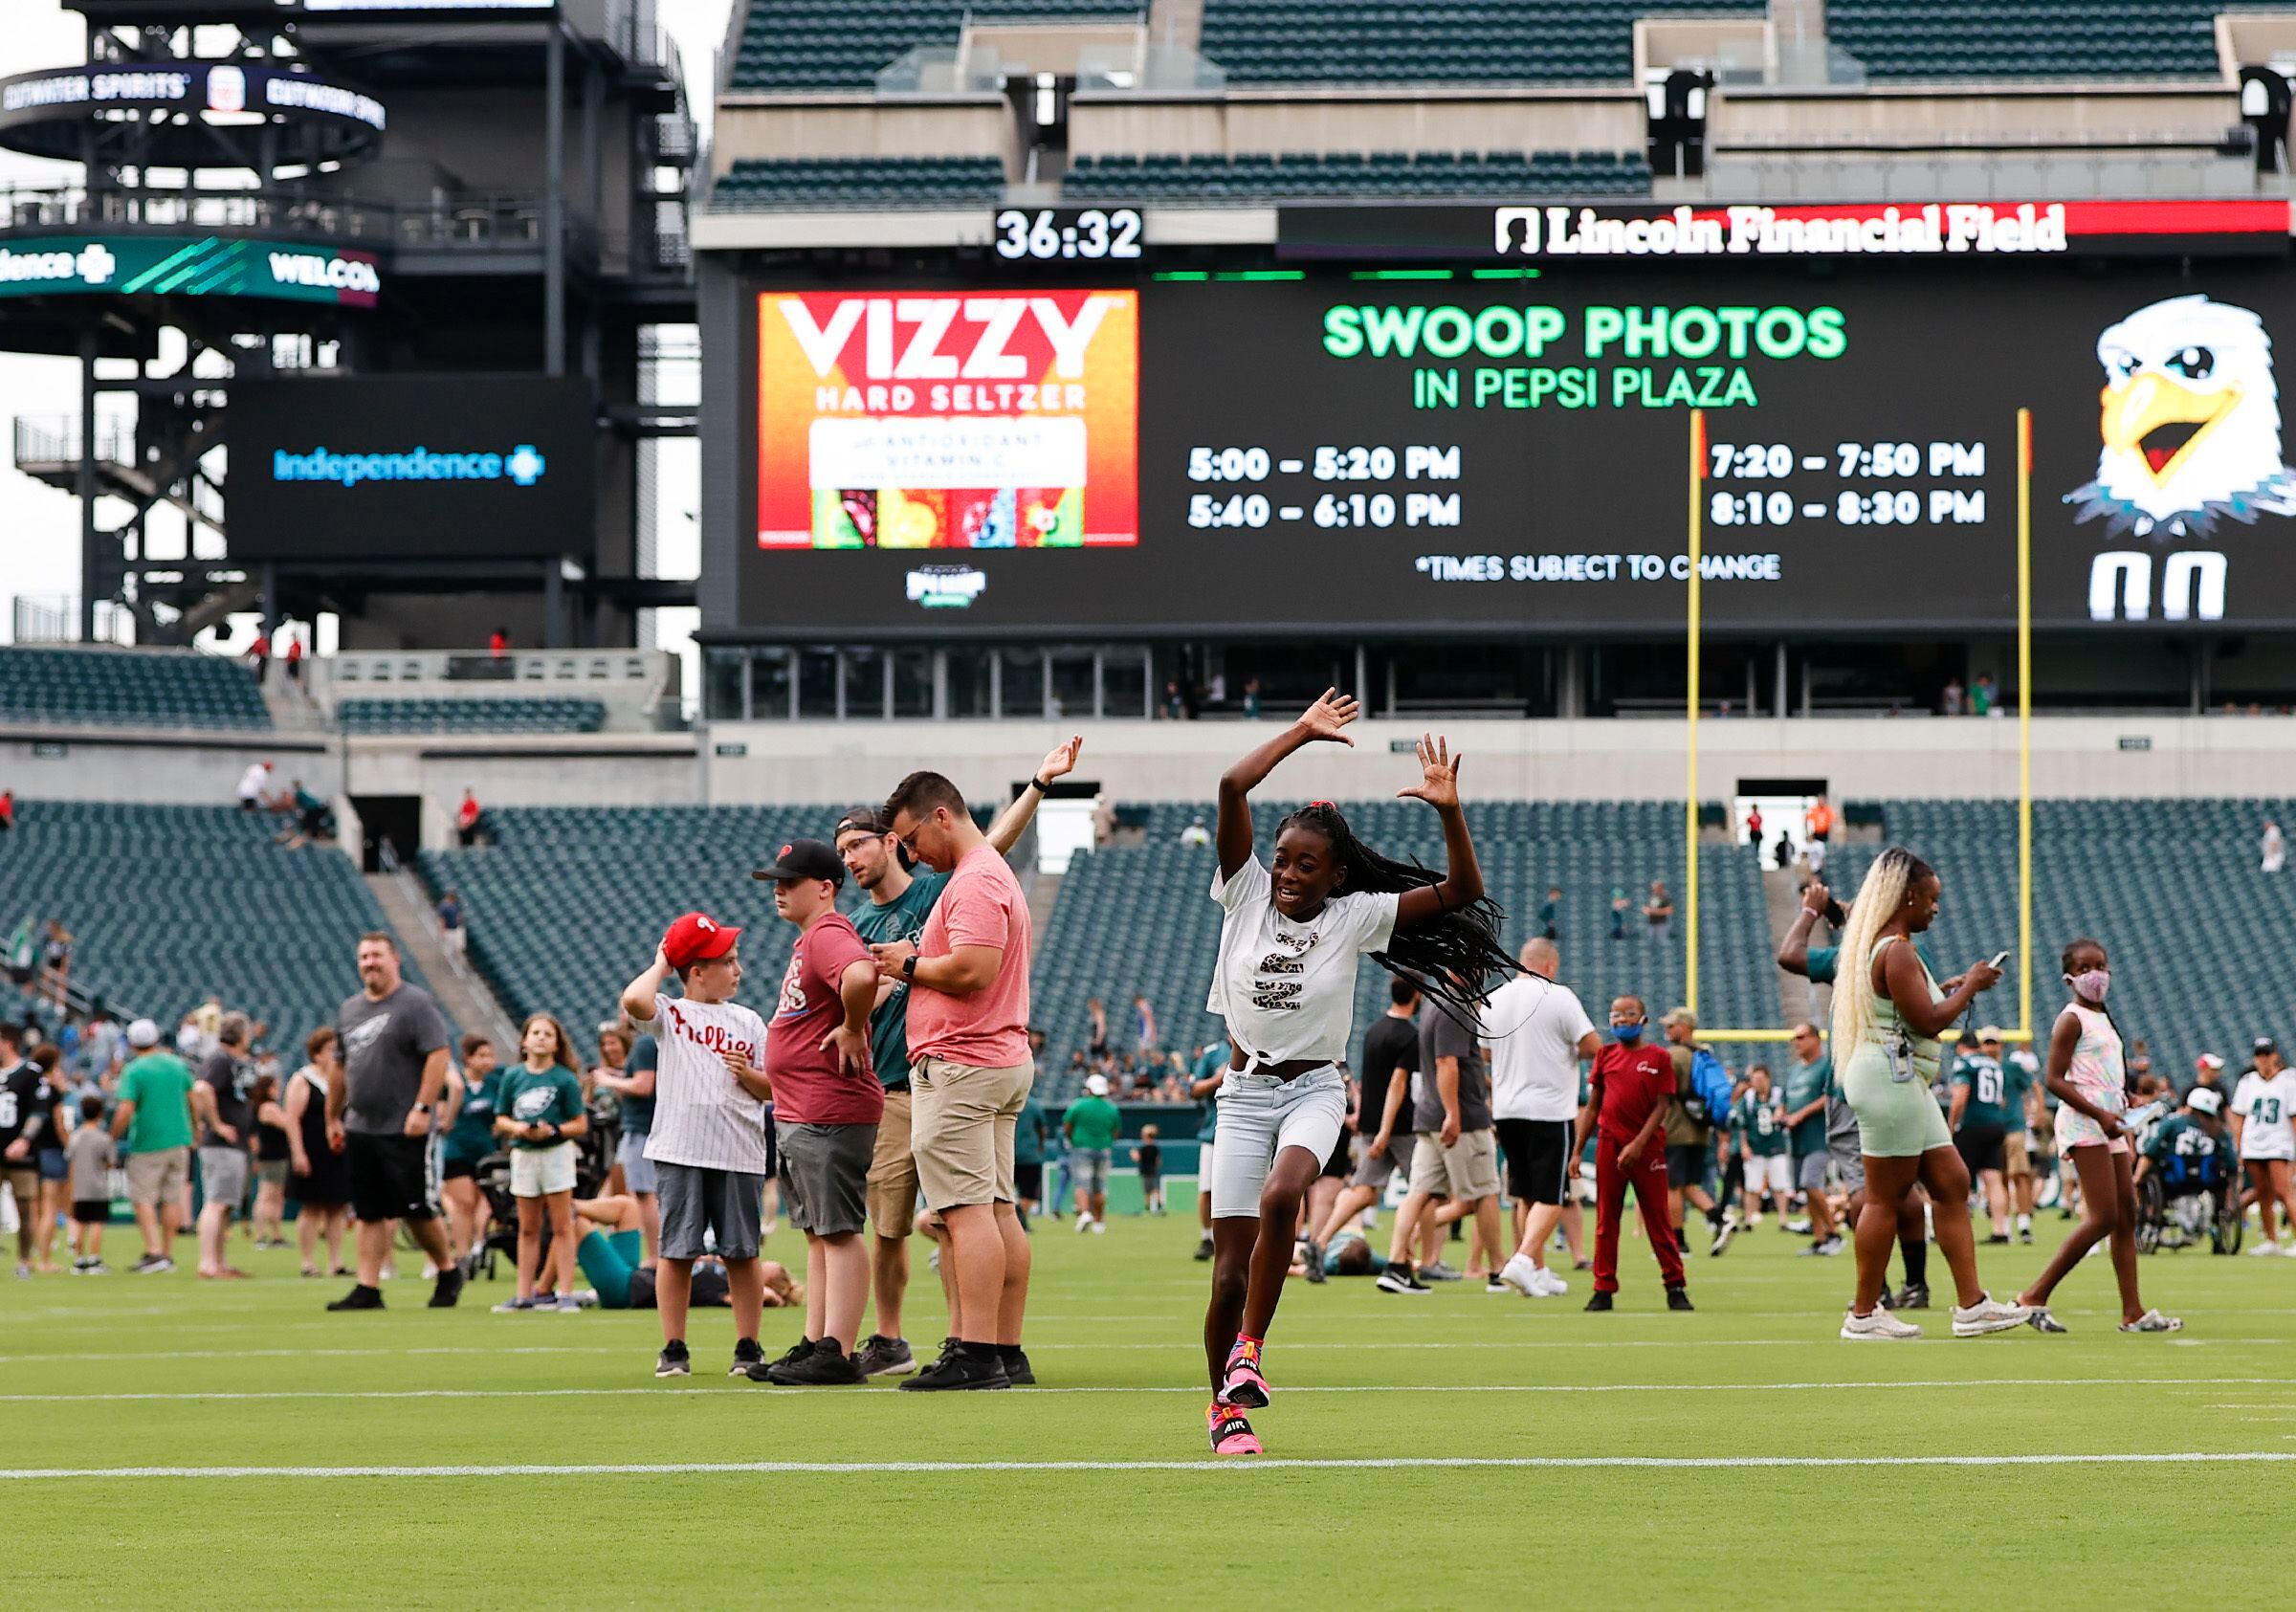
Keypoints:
pixel 803 1349
pixel 2025 1234
pixel 1799 1228
pixel 1826 1249
pixel 2264 1251
pixel 674 1360
pixel 565 1304
pixel 886 1357
pixel 1522 1275
pixel 1435 1270
pixel 1017 1369
pixel 2040 1320
pixel 1099 1229
pixel 1723 1233
pixel 2152 1320
pixel 359 1298
pixel 1987 1314
pixel 1310 1259
pixel 1084 1223
pixel 1679 1298
pixel 827 1367
pixel 1398 1279
pixel 144 1262
pixel 1598 1302
pixel 1231 1434
pixel 1243 1384
pixel 746 1353
pixel 1497 1283
pixel 1996 1236
pixel 97 1268
pixel 1913 1295
pixel 1551 1285
pixel 518 1306
pixel 448 1290
pixel 1204 1248
pixel 958 1370
pixel 1879 1325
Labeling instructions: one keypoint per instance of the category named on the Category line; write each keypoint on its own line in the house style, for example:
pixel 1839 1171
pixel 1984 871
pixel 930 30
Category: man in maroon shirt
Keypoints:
pixel 827 1103
pixel 1632 1088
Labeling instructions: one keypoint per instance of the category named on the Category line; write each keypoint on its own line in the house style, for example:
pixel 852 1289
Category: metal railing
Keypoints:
pixel 54 440
pixel 284 212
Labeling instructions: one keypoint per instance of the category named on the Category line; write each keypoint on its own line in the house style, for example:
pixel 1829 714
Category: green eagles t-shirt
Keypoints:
pixel 160 1086
pixel 1209 1063
pixel 1028 1134
pixel 472 1135
pixel 1805 1084
pixel 1093 1122
pixel 551 1098
pixel 1762 1122
pixel 899 919
pixel 2016 1084
pixel 1987 1103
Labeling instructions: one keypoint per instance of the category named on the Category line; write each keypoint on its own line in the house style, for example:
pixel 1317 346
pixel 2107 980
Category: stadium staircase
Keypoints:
pixel 462 993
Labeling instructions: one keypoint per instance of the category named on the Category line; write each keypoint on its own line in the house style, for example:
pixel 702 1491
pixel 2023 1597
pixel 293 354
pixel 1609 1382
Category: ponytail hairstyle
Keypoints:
pixel 1455 957
pixel 1893 873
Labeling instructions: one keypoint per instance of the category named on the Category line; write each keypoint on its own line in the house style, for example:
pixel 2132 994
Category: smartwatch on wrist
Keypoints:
pixel 1039 786
pixel 909 966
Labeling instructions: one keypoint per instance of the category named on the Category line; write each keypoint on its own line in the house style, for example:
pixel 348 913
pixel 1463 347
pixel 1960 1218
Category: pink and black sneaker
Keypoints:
pixel 1231 1434
pixel 1244 1385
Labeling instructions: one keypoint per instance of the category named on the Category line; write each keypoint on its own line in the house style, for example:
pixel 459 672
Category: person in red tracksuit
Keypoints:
pixel 1632 1088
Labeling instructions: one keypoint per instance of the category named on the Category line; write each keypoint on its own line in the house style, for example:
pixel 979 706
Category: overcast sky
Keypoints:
pixel 39 529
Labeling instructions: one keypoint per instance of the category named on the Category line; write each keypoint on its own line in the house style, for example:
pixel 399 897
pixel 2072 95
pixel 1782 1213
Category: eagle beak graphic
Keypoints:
pixel 2161 420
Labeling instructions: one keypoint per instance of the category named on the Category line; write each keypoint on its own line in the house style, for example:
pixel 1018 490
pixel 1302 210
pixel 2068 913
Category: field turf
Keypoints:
pixel 172 1442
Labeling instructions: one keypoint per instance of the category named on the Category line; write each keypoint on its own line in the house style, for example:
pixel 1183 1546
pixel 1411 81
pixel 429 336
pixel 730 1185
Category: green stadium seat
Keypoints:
pixel 106 687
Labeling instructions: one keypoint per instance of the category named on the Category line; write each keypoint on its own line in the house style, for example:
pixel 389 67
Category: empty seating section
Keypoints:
pixel 2198 935
pixel 1307 175
pixel 167 905
pixel 129 688
pixel 843 44
pixel 2028 38
pixel 1140 917
pixel 798 183
pixel 1453 41
pixel 470 716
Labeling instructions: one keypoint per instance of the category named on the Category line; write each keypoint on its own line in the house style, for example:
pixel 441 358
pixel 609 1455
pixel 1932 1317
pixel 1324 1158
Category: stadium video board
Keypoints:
pixel 411 467
pixel 128 265
pixel 1508 449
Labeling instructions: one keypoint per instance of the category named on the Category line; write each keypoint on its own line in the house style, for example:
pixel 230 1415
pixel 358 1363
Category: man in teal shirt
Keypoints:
pixel 152 1118
pixel 1091 1125
pixel 1203 1085
pixel 1977 1113
pixel 899 901
pixel 1809 1081
pixel 1030 1129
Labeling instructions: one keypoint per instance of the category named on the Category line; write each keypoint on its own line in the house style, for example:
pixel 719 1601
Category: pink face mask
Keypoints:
pixel 2092 984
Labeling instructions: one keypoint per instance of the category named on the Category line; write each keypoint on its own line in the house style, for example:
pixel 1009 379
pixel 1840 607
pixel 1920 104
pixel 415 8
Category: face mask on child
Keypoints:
pixel 1628 1034
pixel 2092 984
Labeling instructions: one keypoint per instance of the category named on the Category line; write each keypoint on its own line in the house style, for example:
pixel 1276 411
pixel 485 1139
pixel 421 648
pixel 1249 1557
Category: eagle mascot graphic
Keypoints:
pixel 2191 424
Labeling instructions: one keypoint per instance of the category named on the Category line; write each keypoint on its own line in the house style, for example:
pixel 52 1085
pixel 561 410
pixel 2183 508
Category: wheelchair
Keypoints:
pixel 593 1163
pixel 2209 1213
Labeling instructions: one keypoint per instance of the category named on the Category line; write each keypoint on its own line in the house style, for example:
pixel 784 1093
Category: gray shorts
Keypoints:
pixel 1377 1169
pixel 637 1170
pixel 223 1177
pixel 696 1198
pixel 1809 1171
pixel 1088 1170
pixel 824 1175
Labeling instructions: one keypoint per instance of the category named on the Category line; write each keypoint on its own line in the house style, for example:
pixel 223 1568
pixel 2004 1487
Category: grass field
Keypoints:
pixel 173 1442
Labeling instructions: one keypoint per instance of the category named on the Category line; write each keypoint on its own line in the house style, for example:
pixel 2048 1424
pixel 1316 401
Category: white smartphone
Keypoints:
pixel 2000 958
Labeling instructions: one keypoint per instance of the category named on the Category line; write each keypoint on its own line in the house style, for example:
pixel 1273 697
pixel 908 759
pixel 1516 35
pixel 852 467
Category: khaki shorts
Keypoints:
pixel 158 1178
pixel 24 1182
pixel 2017 1159
pixel 1467 1169
pixel 891 1189
pixel 961 1127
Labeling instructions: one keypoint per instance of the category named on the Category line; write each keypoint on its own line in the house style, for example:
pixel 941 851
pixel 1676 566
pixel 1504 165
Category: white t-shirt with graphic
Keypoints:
pixel 1288 990
pixel 2268 1105
pixel 701 1115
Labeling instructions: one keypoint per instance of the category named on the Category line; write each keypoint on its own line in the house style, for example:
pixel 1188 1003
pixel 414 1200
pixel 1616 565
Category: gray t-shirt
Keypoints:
pixel 227 1075
pixel 385 1046
pixel 88 1162
pixel 1446 1031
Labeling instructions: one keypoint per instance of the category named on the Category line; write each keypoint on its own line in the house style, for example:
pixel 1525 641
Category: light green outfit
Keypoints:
pixel 1888 1078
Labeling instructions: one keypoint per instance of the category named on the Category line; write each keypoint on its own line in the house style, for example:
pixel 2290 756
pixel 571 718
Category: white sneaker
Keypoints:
pixel 1099 1229
pixel 1551 1285
pixel 1880 1325
pixel 2264 1251
pixel 1520 1274
pixel 1988 1315
pixel 1084 1223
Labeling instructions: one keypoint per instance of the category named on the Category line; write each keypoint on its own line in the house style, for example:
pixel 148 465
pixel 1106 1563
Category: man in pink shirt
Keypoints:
pixel 971 1072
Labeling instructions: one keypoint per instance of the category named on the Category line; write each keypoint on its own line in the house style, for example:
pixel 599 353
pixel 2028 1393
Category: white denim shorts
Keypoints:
pixel 1260 1116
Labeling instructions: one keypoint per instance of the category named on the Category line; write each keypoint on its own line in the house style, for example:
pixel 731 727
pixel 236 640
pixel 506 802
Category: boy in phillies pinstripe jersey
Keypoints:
pixel 708 1142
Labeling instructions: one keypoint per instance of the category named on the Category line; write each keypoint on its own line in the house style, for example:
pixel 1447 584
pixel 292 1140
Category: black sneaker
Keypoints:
pixel 360 1299
pixel 1679 1298
pixel 449 1289
pixel 802 1349
pixel 1399 1279
pixel 959 1370
pixel 746 1353
pixel 1598 1302
pixel 1204 1248
pixel 674 1360
pixel 886 1357
pixel 1311 1261
pixel 1017 1369
pixel 1496 1286
pixel 1913 1295
pixel 827 1366
pixel 2001 1238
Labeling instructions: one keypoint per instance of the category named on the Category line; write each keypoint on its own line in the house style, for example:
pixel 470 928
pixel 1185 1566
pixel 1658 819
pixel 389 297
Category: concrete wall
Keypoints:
pixel 1422 117
pixel 167 768
pixel 1860 758
pixel 541 769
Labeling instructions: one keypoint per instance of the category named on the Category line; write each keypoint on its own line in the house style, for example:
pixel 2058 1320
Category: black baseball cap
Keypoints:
pixel 805 859
pixel 2264 1043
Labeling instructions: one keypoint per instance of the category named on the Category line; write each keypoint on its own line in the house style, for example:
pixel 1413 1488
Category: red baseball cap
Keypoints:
pixel 697 937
